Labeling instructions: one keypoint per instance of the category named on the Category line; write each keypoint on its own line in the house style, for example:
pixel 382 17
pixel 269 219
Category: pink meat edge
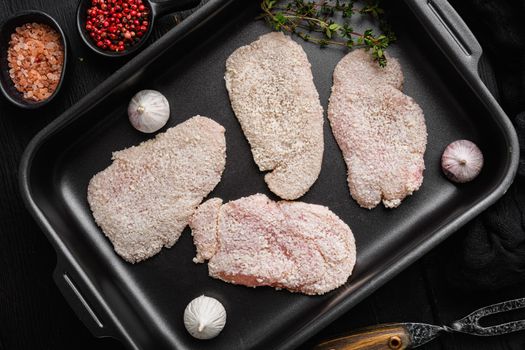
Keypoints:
pixel 204 225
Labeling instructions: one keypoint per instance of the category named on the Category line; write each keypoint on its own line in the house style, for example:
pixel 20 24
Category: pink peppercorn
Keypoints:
pixel 117 22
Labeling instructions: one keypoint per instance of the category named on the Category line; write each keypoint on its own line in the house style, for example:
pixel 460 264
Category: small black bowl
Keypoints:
pixel 157 9
pixel 6 83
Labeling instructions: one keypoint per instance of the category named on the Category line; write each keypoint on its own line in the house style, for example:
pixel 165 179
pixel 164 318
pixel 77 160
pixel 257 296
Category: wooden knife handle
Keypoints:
pixel 393 336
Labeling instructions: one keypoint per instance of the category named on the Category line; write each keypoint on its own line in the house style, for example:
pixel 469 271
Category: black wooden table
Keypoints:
pixel 33 314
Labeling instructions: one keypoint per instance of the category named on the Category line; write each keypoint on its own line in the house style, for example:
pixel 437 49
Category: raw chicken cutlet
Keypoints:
pixel 146 197
pixel 255 241
pixel 273 95
pixel 380 130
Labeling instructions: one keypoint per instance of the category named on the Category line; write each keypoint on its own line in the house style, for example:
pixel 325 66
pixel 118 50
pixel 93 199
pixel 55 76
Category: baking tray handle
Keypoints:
pixel 450 32
pixel 90 309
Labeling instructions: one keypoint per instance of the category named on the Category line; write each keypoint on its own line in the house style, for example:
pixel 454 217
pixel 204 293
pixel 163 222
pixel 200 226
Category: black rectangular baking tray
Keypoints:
pixel 142 304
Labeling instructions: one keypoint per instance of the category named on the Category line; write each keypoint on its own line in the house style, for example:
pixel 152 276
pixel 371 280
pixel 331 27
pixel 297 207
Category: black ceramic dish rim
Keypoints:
pixel 58 28
pixel 82 18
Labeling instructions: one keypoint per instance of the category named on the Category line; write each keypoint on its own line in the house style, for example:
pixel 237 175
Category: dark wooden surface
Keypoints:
pixel 33 314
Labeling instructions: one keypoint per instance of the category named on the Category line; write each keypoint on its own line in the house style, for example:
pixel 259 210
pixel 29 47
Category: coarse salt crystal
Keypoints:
pixel 35 59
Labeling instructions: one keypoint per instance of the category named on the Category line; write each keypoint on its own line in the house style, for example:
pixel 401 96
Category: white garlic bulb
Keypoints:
pixel 462 161
pixel 204 317
pixel 148 111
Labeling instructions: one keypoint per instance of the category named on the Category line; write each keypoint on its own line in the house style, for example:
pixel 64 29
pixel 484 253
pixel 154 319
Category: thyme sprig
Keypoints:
pixel 313 22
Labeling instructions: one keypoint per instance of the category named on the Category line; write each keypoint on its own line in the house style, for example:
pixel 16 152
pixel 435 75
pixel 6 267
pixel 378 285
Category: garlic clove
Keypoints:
pixel 462 161
pixel 148 111
pixel 204 317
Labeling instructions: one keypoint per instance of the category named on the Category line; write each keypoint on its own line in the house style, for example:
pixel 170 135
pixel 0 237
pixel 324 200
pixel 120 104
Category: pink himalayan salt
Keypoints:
pixel 35 57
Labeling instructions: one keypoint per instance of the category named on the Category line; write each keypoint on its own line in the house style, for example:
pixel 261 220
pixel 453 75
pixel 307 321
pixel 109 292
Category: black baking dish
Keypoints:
pixel 142 304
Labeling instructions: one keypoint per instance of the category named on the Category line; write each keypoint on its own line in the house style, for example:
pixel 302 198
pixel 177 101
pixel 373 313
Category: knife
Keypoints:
pixel 401 336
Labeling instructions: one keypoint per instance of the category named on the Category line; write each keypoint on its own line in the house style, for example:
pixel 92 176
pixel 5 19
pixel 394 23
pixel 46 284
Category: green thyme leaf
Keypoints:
pixel 313 21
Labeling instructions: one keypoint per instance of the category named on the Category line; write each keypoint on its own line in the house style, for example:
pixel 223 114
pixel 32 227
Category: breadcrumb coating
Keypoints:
pixel 380 131
pixel 145 198
pixel 255 241
pixel 272 93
